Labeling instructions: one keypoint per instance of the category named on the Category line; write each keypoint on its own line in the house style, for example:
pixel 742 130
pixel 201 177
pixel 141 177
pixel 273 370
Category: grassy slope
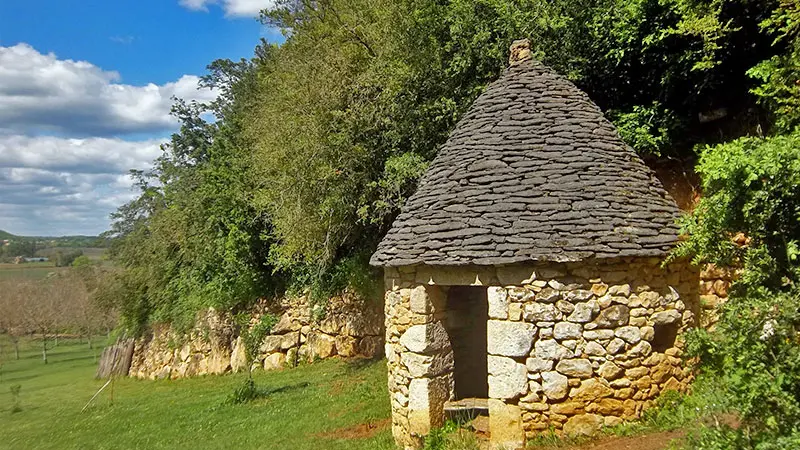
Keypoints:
pixel 305 403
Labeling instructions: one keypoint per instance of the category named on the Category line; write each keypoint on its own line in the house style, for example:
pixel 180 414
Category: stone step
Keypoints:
pixel 466 409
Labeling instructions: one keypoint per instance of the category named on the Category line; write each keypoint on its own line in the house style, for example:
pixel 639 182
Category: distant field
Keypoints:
pixel 94 253
pixel 331 405
pixel 39 270
pixel 29 271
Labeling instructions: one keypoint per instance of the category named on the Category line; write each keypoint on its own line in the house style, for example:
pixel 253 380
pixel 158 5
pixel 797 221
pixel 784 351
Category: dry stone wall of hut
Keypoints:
pixel 352 328
pixel 572 347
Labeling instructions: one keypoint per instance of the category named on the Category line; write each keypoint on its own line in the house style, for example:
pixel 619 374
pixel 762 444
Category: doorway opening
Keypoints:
pixel 466 323
pixel 467 316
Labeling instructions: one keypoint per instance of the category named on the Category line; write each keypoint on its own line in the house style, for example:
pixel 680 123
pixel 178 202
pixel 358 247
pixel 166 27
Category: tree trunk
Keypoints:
pixel 89 341
pixel 56 339
pixel 44 349
pixel 16 349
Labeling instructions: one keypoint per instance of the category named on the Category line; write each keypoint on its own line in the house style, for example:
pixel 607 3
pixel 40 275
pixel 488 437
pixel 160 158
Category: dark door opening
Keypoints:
pixel 467 313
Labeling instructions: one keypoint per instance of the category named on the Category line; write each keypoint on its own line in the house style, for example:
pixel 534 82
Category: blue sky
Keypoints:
pixel 146 41
pixel 85 89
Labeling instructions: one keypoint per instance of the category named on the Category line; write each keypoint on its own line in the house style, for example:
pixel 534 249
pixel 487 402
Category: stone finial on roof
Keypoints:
pixel 520 51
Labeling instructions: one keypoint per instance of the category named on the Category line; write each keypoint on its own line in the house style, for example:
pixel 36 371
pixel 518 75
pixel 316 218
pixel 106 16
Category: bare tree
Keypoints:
pixel 80 314
pixel 43 309
pixel 51 307
pixel 12 321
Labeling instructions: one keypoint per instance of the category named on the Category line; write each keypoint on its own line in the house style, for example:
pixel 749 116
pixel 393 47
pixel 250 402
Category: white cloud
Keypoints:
pixel 233 8
pixel 40 93
pixel 55 186
pixel 92 155
pixel 63 166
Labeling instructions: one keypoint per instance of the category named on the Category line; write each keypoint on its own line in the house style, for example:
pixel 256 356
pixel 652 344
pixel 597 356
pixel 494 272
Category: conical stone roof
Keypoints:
pixel 533 172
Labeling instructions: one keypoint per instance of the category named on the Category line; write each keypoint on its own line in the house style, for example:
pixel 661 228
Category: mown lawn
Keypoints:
pixel 327 405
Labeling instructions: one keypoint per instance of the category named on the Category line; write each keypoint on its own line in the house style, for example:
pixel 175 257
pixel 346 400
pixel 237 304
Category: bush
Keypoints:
pixel 15 405
pixel 749 218
pixel 244 393
pixel 65 259
pixel 751 186
pixel 756 351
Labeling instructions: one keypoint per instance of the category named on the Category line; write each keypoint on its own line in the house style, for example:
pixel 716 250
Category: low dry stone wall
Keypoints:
pixel 206 349
pixel 352 328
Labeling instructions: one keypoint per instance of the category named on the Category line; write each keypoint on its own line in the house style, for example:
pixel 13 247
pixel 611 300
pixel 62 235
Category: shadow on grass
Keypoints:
pixel 278 390
pixel 357 364
pixel 248 392
pixel 13 379
pixel 57 359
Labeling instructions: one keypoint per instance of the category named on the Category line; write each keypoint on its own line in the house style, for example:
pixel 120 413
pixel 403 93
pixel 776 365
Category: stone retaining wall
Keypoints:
pixel 351 328
pixel 572 347
pixel 714 285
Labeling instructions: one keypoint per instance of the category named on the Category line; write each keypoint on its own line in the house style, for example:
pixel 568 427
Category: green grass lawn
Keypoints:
pixel 311 407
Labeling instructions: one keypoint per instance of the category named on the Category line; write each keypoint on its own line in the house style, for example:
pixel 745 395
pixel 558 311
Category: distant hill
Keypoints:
pixel 59 241
pixel 6 235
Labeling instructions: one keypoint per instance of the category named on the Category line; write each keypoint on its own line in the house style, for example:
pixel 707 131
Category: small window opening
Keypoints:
pixel 665 336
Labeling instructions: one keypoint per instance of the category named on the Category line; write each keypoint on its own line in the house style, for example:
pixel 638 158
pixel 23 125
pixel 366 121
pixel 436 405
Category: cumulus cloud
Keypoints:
pixel 93 155
pixel 40 93
pixel 54 186
pixel 233 8
pixel 67 131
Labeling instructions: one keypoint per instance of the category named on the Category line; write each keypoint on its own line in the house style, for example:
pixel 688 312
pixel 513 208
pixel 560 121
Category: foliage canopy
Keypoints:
pixel 748 218
pixel 318 141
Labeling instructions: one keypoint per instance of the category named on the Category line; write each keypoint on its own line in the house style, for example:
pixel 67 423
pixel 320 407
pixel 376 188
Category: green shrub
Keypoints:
pixel 15 404
pixel 450 437
pixel 752 187
pixel 254 336
pixel 647 129
pixel 244 393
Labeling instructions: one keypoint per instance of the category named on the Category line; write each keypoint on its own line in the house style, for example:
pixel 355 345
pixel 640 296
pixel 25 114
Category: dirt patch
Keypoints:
pixel 360 431
pixel 653 441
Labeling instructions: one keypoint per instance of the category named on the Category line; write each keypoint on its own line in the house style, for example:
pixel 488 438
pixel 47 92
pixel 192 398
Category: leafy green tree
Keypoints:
pixel 192 239
pixel 780 74
pixel 318 142
pixel 66 258
pixel 357 101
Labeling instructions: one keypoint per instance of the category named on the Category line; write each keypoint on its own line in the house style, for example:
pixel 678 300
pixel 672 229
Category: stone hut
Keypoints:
pixel 524 278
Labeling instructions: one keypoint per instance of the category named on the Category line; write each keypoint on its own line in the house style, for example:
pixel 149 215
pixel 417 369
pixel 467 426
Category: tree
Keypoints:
pixel 318 142
pixel 42 310
pixel 11 323
pixel 357 101
pixel 66 258
pixel 193 239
